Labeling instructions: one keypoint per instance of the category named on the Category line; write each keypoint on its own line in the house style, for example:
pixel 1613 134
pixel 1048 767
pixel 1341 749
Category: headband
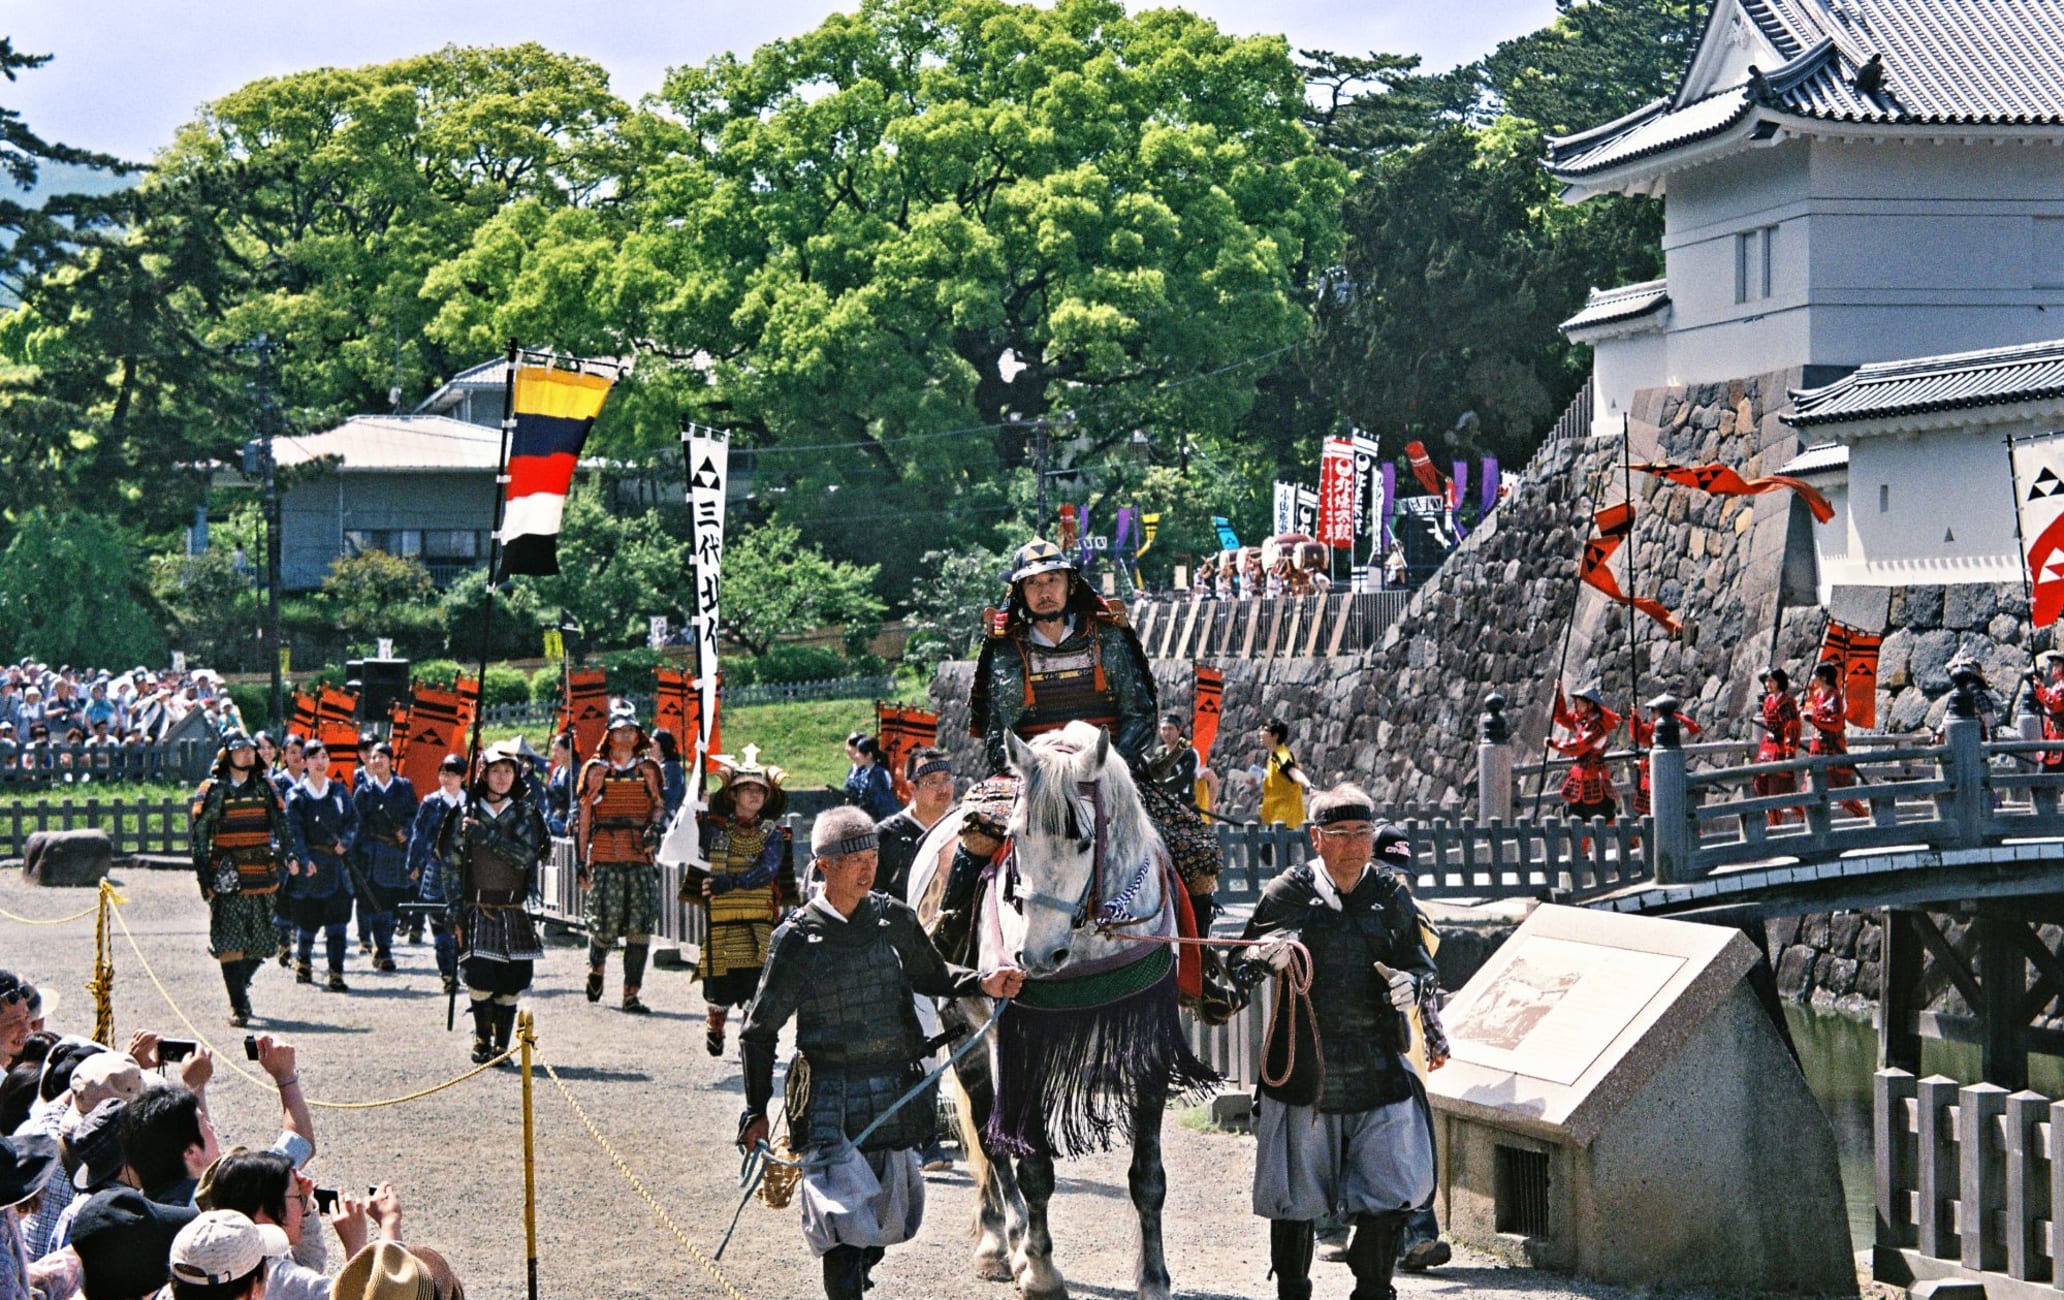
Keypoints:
pixel 867 842
pixel 930 766
pixel 1346 812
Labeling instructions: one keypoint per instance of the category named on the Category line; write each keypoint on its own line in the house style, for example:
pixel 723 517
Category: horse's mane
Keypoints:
pixel 1049 803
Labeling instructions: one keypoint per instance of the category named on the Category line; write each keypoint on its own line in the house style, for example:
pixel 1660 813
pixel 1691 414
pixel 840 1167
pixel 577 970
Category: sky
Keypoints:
pixel 127 74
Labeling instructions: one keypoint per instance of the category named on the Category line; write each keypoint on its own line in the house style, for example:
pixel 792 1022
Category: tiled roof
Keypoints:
pixel 1962 381
pixel 1606 306
pixel 1818 459
pixel 398 442
pixel 1889 62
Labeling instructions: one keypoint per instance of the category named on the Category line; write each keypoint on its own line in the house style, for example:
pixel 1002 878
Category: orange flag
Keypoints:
pixel 1206 709
pixel 1615 524
pixel 1724 482
pixel 1856 653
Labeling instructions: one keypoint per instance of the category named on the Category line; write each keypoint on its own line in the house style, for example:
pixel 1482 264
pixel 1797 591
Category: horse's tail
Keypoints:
pixel 971 1145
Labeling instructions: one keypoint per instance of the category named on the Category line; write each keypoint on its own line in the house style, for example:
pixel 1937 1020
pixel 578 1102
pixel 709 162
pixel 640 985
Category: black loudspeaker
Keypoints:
pixel 380 683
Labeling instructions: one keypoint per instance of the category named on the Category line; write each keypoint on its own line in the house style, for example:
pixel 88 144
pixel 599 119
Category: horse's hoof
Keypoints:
pixel 993 1266
pixel 1059 1292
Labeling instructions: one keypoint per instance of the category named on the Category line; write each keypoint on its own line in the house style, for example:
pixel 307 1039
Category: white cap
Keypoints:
pixel 222 1246
pixel 113 1072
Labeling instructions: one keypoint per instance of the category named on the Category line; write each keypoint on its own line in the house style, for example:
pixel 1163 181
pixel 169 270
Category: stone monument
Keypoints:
pixel 1620 1106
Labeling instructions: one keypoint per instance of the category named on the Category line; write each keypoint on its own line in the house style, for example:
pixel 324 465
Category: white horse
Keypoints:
pixel 1092 1050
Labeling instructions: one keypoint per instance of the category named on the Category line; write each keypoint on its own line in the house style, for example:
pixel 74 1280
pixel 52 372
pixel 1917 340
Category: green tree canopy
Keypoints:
pixel 776 586
pixel 616 570
pixel 830 245
pixel 71 591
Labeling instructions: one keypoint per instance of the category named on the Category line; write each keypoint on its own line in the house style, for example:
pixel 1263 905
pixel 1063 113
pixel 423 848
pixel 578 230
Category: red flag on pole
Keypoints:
pixel 1337 493
pixel 1615 524
pixel 1205 710
pixel 1425 470
pixel 1855 655
pixel 1722 481
pixel 903 731
pixel 585 711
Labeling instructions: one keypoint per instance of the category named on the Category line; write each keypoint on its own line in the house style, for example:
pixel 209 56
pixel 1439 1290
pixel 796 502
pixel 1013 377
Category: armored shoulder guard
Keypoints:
pixel 995 623
pixel 1113 613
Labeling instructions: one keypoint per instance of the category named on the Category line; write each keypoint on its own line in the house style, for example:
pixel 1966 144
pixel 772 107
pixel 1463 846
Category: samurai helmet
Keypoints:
pixel 1038 556
pixel 1589 691
pixel 747 769
pixel 622 714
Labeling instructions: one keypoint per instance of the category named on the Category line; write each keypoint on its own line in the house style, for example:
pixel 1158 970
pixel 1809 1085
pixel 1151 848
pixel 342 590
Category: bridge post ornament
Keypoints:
pixel 1494 730
pixel 1964 702
pixel 1668 733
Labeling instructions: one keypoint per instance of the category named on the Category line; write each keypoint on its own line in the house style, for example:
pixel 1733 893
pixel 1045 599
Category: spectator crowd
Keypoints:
pixel 68 725
pixel 119 1181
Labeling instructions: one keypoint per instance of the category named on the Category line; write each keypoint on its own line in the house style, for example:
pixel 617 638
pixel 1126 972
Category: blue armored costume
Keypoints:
pixel 427 868
pixel 386 814
pixel 323 825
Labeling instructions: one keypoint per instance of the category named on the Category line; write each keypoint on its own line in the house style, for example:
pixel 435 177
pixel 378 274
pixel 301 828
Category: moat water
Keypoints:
pixel 1839 1054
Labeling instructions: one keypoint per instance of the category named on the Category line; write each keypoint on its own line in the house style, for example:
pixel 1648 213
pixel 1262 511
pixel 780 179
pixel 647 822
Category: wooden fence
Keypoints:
pixel 1269 627
pixel 36 766
pixel 154 826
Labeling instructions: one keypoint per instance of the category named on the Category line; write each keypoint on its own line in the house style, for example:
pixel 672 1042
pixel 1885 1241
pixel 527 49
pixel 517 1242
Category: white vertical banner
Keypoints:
pixel 2038 470
pixel 1305 517
pixel 708 477
pixel 1368 501
pixel 1286 508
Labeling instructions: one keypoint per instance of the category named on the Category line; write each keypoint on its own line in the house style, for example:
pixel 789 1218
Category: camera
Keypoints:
pixel 171 1050
pixel 326 1200
pixel 250 1047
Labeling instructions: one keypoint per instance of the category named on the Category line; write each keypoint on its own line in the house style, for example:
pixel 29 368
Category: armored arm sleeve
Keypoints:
pixel 781 992
pixel 928 972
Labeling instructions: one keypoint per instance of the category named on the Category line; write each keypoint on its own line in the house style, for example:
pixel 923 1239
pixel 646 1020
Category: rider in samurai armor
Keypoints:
pixel 621 814
pixel 750 877
pixel 491 850
pixel 239 832
pixel 845 968
pixel 1342 1126
pixel 1058 653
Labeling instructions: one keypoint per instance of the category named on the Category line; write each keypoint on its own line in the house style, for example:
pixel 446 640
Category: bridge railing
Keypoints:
pixel 1967 1178
pixel 1964 792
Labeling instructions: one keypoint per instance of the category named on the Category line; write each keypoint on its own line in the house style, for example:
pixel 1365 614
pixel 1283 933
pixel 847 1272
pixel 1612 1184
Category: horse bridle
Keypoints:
pixel 1089 906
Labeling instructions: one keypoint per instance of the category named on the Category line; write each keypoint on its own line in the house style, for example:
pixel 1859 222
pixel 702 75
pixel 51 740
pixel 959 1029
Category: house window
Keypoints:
pixel 1884 498
pixel 1755 272
pixel 451 544
pixel 2049 253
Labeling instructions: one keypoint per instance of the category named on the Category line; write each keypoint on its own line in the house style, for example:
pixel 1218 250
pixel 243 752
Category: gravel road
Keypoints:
pixel 668 1107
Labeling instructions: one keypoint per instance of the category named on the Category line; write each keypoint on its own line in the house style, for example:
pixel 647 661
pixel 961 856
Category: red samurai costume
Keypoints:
pixel 1780 720
pixel 1588 789
pixel 1827 709
pixel 1643 731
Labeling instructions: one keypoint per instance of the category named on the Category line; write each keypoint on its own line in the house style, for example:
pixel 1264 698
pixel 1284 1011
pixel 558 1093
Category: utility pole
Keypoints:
pixel 267 349
pixel 1039 446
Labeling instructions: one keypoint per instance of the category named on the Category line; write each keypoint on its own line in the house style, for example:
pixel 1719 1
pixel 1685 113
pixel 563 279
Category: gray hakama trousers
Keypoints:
pixel 1377 1161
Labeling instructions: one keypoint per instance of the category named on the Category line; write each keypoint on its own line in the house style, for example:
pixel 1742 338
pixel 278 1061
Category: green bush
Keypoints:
pixel 547 684
pixel 327 675
pixel 440 673
pixel 630 671
pixel 505 686
pixel 254 702
pixel 799 663
pixel 737 671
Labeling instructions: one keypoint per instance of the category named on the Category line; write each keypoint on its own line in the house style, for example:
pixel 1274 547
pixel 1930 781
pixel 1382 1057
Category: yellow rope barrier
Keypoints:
pixel 659 1211
pixel 221 1059
pixel 53 920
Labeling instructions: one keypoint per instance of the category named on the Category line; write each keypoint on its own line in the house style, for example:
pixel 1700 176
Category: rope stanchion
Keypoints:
pixel 526 1040
pixel 102 985
pixel 223 1060
pixel 623 1167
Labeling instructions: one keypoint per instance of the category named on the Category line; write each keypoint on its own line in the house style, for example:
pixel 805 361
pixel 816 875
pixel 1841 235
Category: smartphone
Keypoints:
pixel 326 1200
pixel 372 1190
pixel 175 1049
pixel 250 1047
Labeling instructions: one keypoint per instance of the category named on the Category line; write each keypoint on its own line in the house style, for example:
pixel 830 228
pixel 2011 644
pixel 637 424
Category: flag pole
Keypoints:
pixel 2027 578
pixel 494 559
pixel 1569 629
pixel 1633 585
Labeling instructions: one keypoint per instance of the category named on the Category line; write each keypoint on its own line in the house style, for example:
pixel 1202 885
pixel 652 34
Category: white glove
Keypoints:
pixel 1275 951
pixel 1404 990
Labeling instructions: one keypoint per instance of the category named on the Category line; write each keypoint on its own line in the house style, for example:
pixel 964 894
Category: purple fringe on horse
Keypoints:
pixel 1074 1058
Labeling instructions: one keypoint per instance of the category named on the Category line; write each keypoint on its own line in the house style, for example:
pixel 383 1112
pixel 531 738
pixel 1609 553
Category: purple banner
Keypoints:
pixel 1490 484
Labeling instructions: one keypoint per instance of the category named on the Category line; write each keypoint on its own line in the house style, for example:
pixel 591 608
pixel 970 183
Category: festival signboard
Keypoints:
pixel 1305 515
pixel 1284 518
pixel 1338 513
pixel 708 478
pixel 2039 498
